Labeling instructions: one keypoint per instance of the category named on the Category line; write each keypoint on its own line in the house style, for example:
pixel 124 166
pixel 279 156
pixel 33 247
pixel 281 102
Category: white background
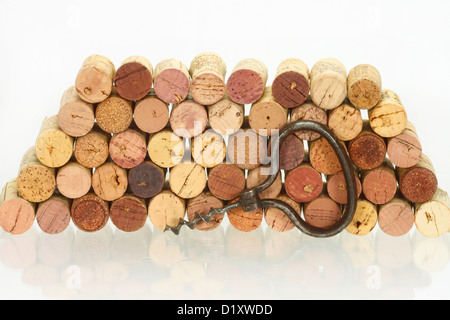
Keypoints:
pixel 42 46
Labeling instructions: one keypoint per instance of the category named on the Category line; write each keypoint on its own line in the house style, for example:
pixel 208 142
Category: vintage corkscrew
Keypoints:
pixel 250 201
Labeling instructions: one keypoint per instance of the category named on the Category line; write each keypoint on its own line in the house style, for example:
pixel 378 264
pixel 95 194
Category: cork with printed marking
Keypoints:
pixel 134 78
pixel 388 118
pixel 172 81
pixel 432 218
pixel 364 86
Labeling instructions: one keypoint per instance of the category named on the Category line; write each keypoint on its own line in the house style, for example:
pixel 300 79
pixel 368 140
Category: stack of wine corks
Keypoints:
pixel 160 144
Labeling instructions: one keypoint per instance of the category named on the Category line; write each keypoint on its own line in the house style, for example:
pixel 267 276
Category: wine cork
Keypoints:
pixel 322 212
pixel 345 122
pixel 388 118
pixel 166 209
pixel 92 150
pixel 165 148
pixel 17 215
pixel 129 213
pixel 187 180
pixel 247 81
pixel 172 81
pixel 368 150
pixel 202 205
pixel 54 148
pixel 365 218
pixel 226 181
pixel 53 215
pixel 134 78
pixel 95 79
pixel 73 180
pixel 291 84
pixel 309 112
pixel 110 181
pixel 256 177
pixel 209 149
pixel 379 185
pixel 35 182
pixel 277 220
pixel 208 71
pixel 245 221
pixel 267 115
pixel 396 218
pixel 115 114
pixel 328 83
pixel 246 148
pixel 188 119
pixel 226 117
pixel 364 86
pixel 90 213
pixel 151 114
pixel 432 217
pixel 323 157
pixel 76 117
pixel 304 183
pixel 128 149
pixel 418 183
pixel 405 149
pixel 292 152
pixel 337 187
pixel 146 180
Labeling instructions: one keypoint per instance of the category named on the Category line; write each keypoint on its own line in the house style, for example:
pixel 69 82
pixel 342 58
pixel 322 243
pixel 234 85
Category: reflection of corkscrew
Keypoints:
pixel 250 200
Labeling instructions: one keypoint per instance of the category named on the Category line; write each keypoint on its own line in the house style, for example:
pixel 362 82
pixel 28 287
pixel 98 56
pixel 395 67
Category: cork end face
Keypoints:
pixel 114 115
pixel 367 151
pixel 226 117
pixel 17 216
pixel 53 216
pixel 54 148
pixel 172 86
pixel 90 213
pixel 128 214
pixel 226 181
pixel 208 89
pixel 245 221
pixel 151 115
pixel 93 85
pixel 188 119
pixel 404 150
pixel 166 210
pixel 304 184
pixel 166 149
pixel 418 185
pixel 379 186
pixel 202 205
pixel 36 183
pixel 432 219
pixel 290 89
pixel 267 116
pixel 337 188
pixel 322 212
pixel 133 81
pixel 364 220
pixel 245 86
pixel 364 94
pixel 328 92
pixel 76 119
pixel 388 120
pixel 396 219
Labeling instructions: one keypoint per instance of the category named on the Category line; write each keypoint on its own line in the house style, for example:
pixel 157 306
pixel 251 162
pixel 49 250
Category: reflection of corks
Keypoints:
pixel 202 205
pixel 134 78
pixel 129 213
pixel 432 218
pixel 172 81
pixel 90 213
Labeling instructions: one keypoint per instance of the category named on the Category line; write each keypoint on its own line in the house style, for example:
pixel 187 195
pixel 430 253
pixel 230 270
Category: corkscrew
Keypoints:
pixel 250 201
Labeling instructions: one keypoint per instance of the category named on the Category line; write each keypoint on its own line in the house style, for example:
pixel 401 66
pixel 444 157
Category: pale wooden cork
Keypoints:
pixel 208 71
pixel 95 79
pixel 256 177
pixel 310 112
pixel 188 119
pixel 76 117
pixel 35 182
pixel 396 218
pixel 291 84
pixel 226 116
pixel 388 118
pixel 209 149
pixel 151 114
pixel 247 81
pixel 266 114
pixel 246 149
pixel 17 215
pixel 166 209
pixel 134 78
pixel 166 149
pixel 114 114
pixel 92 150
pixel 74 180
pixel 328 83
pixel 432 218
pixel 245 221
pixel 172 81
pixel 364 86
pixel 345 122
pixel 53 215
pixel 202 205
pixel 277 220
pixel 128 149
pixel 54 148
pixel 323 157
pixel 365 218
pixel 109 181
pixel 405 149
pixel 187 180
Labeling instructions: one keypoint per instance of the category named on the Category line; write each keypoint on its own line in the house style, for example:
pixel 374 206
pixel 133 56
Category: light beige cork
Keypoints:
pixel 432 218
pixel 246 149
pixel 166 149
pixel 73 180
pixel 209 149
pixel 110 182
pixel 226 116
pixel 365 218
pixel 388 118
pixel 345 122
pixel 92 150
pixel 95 79
pixel 364 86
pixel 187 180
pixel 35 182
pixel 75 117
pixel 166 209
pixel 54 148
pixel 151 114
pixel 17 215
pixel 328 83
pixel 208 71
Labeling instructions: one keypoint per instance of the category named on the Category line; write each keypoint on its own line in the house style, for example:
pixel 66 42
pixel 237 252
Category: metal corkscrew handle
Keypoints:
pixel 250 201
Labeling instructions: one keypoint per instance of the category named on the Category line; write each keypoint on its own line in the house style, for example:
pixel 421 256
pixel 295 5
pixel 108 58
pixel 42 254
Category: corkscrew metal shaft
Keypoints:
pixel 250 201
